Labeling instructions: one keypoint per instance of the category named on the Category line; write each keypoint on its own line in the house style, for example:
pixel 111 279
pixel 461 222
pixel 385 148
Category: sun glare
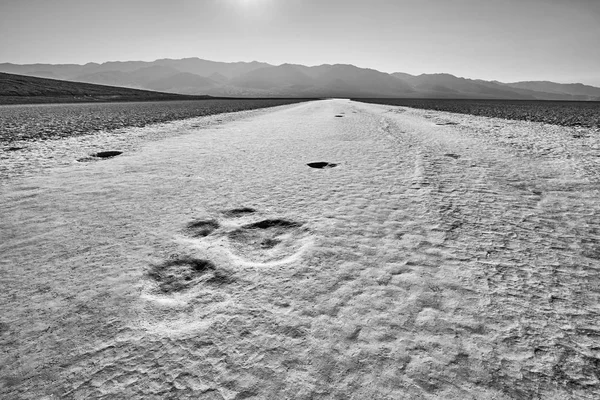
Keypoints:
pixel 251 3
pixel 252 9
pixel 245 3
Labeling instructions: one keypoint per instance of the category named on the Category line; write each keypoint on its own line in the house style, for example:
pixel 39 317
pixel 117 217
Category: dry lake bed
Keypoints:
pixel 421 255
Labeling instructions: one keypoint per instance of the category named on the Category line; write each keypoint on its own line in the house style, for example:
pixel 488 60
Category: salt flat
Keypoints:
pixel 444 257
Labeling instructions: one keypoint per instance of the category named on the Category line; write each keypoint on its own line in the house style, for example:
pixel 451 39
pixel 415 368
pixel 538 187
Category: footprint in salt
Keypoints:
pixel 180 274
pixel 263 242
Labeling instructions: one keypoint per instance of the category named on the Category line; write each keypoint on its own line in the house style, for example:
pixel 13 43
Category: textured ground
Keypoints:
pixel 565 113
pixel 24 125
pixel 29 157
pixel 444 257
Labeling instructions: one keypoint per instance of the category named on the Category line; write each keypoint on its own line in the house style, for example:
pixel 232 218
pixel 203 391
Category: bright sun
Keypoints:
pixel 251 3
pixel 252 9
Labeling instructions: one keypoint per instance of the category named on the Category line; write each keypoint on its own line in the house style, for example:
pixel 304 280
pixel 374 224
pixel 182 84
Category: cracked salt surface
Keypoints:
pixel 444 261
pixel 30 157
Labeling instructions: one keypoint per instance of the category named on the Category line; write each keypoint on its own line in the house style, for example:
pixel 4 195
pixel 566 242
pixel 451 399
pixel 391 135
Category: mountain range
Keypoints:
pixel 194 76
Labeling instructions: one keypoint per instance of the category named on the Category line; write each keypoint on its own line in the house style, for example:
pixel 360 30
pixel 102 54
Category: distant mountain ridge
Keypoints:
pixel 194 76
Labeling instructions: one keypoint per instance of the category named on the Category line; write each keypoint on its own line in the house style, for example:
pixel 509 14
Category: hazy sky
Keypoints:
pixel 506 40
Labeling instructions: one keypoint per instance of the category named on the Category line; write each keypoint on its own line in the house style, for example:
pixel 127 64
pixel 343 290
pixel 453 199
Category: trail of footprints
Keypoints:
pixel 245 239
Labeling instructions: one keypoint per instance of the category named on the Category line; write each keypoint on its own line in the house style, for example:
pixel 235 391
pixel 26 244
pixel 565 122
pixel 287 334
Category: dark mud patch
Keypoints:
pixel 239 212
pixel 14 148
pixel 322 165
pixel 267 240
pixel 339 116
pixel 107 154
pixel 201 228
pixel 180 274
pixel 452 155
pixel 100 155
pixel 272 223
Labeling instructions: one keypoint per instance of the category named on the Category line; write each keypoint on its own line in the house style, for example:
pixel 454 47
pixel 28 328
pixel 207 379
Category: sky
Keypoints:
pixel 505 40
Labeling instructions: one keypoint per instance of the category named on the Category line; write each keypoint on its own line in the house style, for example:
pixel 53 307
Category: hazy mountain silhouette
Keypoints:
pixel 217 77
pixel 348 80
pixel 279 78
pixel 183 83
pixel 446 85
pixel 450 86
pixel 149 74
pixel 574 89
pixel 324 80
pixel 256 79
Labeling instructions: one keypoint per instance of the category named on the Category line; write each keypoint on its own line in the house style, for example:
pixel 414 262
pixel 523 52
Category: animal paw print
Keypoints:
pixel 181 274
pixel 251 240
pixel 268 240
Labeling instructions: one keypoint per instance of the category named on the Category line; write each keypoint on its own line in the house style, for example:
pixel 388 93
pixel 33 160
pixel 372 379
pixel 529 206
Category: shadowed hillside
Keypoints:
pixel 15 89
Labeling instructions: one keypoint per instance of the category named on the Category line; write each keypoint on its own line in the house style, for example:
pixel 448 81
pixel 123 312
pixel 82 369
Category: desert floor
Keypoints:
pixel 445 257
